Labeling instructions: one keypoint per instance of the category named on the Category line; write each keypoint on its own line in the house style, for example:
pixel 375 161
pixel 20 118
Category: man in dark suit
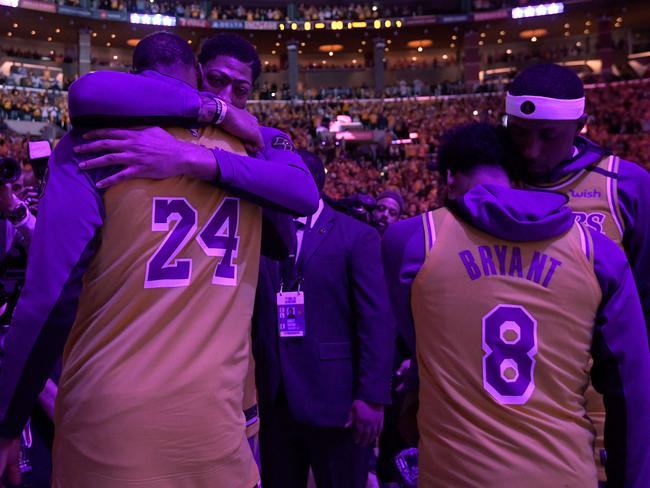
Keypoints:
pixel 322 387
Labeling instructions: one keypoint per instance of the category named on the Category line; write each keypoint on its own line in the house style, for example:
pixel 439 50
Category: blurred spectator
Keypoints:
pixel 388 210
pixel 34 105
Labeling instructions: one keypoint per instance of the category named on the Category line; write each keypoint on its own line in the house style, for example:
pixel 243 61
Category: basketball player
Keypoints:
pixel 158 344
pixel 229 66
pixel 510 297
pixel 546 113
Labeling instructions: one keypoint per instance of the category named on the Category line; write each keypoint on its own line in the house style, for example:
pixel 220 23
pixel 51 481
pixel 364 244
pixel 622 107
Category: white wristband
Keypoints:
pixel 222 112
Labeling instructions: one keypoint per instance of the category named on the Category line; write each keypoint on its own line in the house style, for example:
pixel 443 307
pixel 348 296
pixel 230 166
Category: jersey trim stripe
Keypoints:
pixel 425 230
pixel 429 232
pixel 432 230
pixel 583 240
pixel 612 193
pixel 586 243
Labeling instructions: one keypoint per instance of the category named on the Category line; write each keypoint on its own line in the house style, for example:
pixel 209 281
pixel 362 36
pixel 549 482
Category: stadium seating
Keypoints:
pixel 619 119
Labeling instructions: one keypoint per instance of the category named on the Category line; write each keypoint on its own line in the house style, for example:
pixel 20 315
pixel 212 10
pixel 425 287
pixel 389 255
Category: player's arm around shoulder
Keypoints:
pixel 621 370
pixel 103 97
pixel 292 173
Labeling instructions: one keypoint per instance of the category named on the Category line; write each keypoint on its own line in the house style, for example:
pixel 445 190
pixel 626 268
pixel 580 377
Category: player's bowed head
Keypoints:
pixel 545 107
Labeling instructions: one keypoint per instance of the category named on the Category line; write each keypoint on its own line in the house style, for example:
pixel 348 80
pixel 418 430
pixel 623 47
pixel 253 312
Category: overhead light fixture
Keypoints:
pixel 146 19
pixel 537 10
pixel 419 43
pixel 333 48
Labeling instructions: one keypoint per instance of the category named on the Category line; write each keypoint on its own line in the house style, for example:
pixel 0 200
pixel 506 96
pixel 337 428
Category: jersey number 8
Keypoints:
pixel 218 237
pixel 510 345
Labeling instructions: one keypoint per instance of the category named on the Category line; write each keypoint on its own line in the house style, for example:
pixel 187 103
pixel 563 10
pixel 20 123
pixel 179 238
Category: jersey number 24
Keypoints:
pixel 218 237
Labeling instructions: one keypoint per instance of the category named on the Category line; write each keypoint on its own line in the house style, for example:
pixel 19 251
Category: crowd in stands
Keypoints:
pixel 619 119
pixel 34 105
pixel 211 10
pixel 622 127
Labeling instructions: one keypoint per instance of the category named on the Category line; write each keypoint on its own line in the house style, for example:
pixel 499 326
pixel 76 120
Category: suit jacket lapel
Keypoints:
pixel 315 236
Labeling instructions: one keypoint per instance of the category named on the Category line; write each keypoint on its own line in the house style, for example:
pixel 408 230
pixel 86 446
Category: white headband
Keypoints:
pixel 544 108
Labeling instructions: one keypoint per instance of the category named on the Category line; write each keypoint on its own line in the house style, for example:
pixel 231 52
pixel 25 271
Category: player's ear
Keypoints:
pixel 582 121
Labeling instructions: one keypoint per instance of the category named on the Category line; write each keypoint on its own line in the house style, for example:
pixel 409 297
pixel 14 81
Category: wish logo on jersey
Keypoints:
pixel 585 193
pixel 594 220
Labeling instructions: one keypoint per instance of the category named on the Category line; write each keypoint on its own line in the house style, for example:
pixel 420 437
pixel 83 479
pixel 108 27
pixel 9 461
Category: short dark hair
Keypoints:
pixel 466 147
pixel 234 46
pixel 162 49
pixel 548 80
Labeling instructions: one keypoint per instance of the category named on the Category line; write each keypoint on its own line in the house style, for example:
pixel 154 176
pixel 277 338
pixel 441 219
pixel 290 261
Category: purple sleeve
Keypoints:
pixel 621 370
pixel 375 327
pixel 65 239
pixel 634 200
pixel 277 179
pixel 107 98
pixel 280 180
pixel 403 256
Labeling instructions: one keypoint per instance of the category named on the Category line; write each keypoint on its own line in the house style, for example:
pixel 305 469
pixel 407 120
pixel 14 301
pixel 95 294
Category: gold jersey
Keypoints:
pixel 504 331
pixel 155 365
